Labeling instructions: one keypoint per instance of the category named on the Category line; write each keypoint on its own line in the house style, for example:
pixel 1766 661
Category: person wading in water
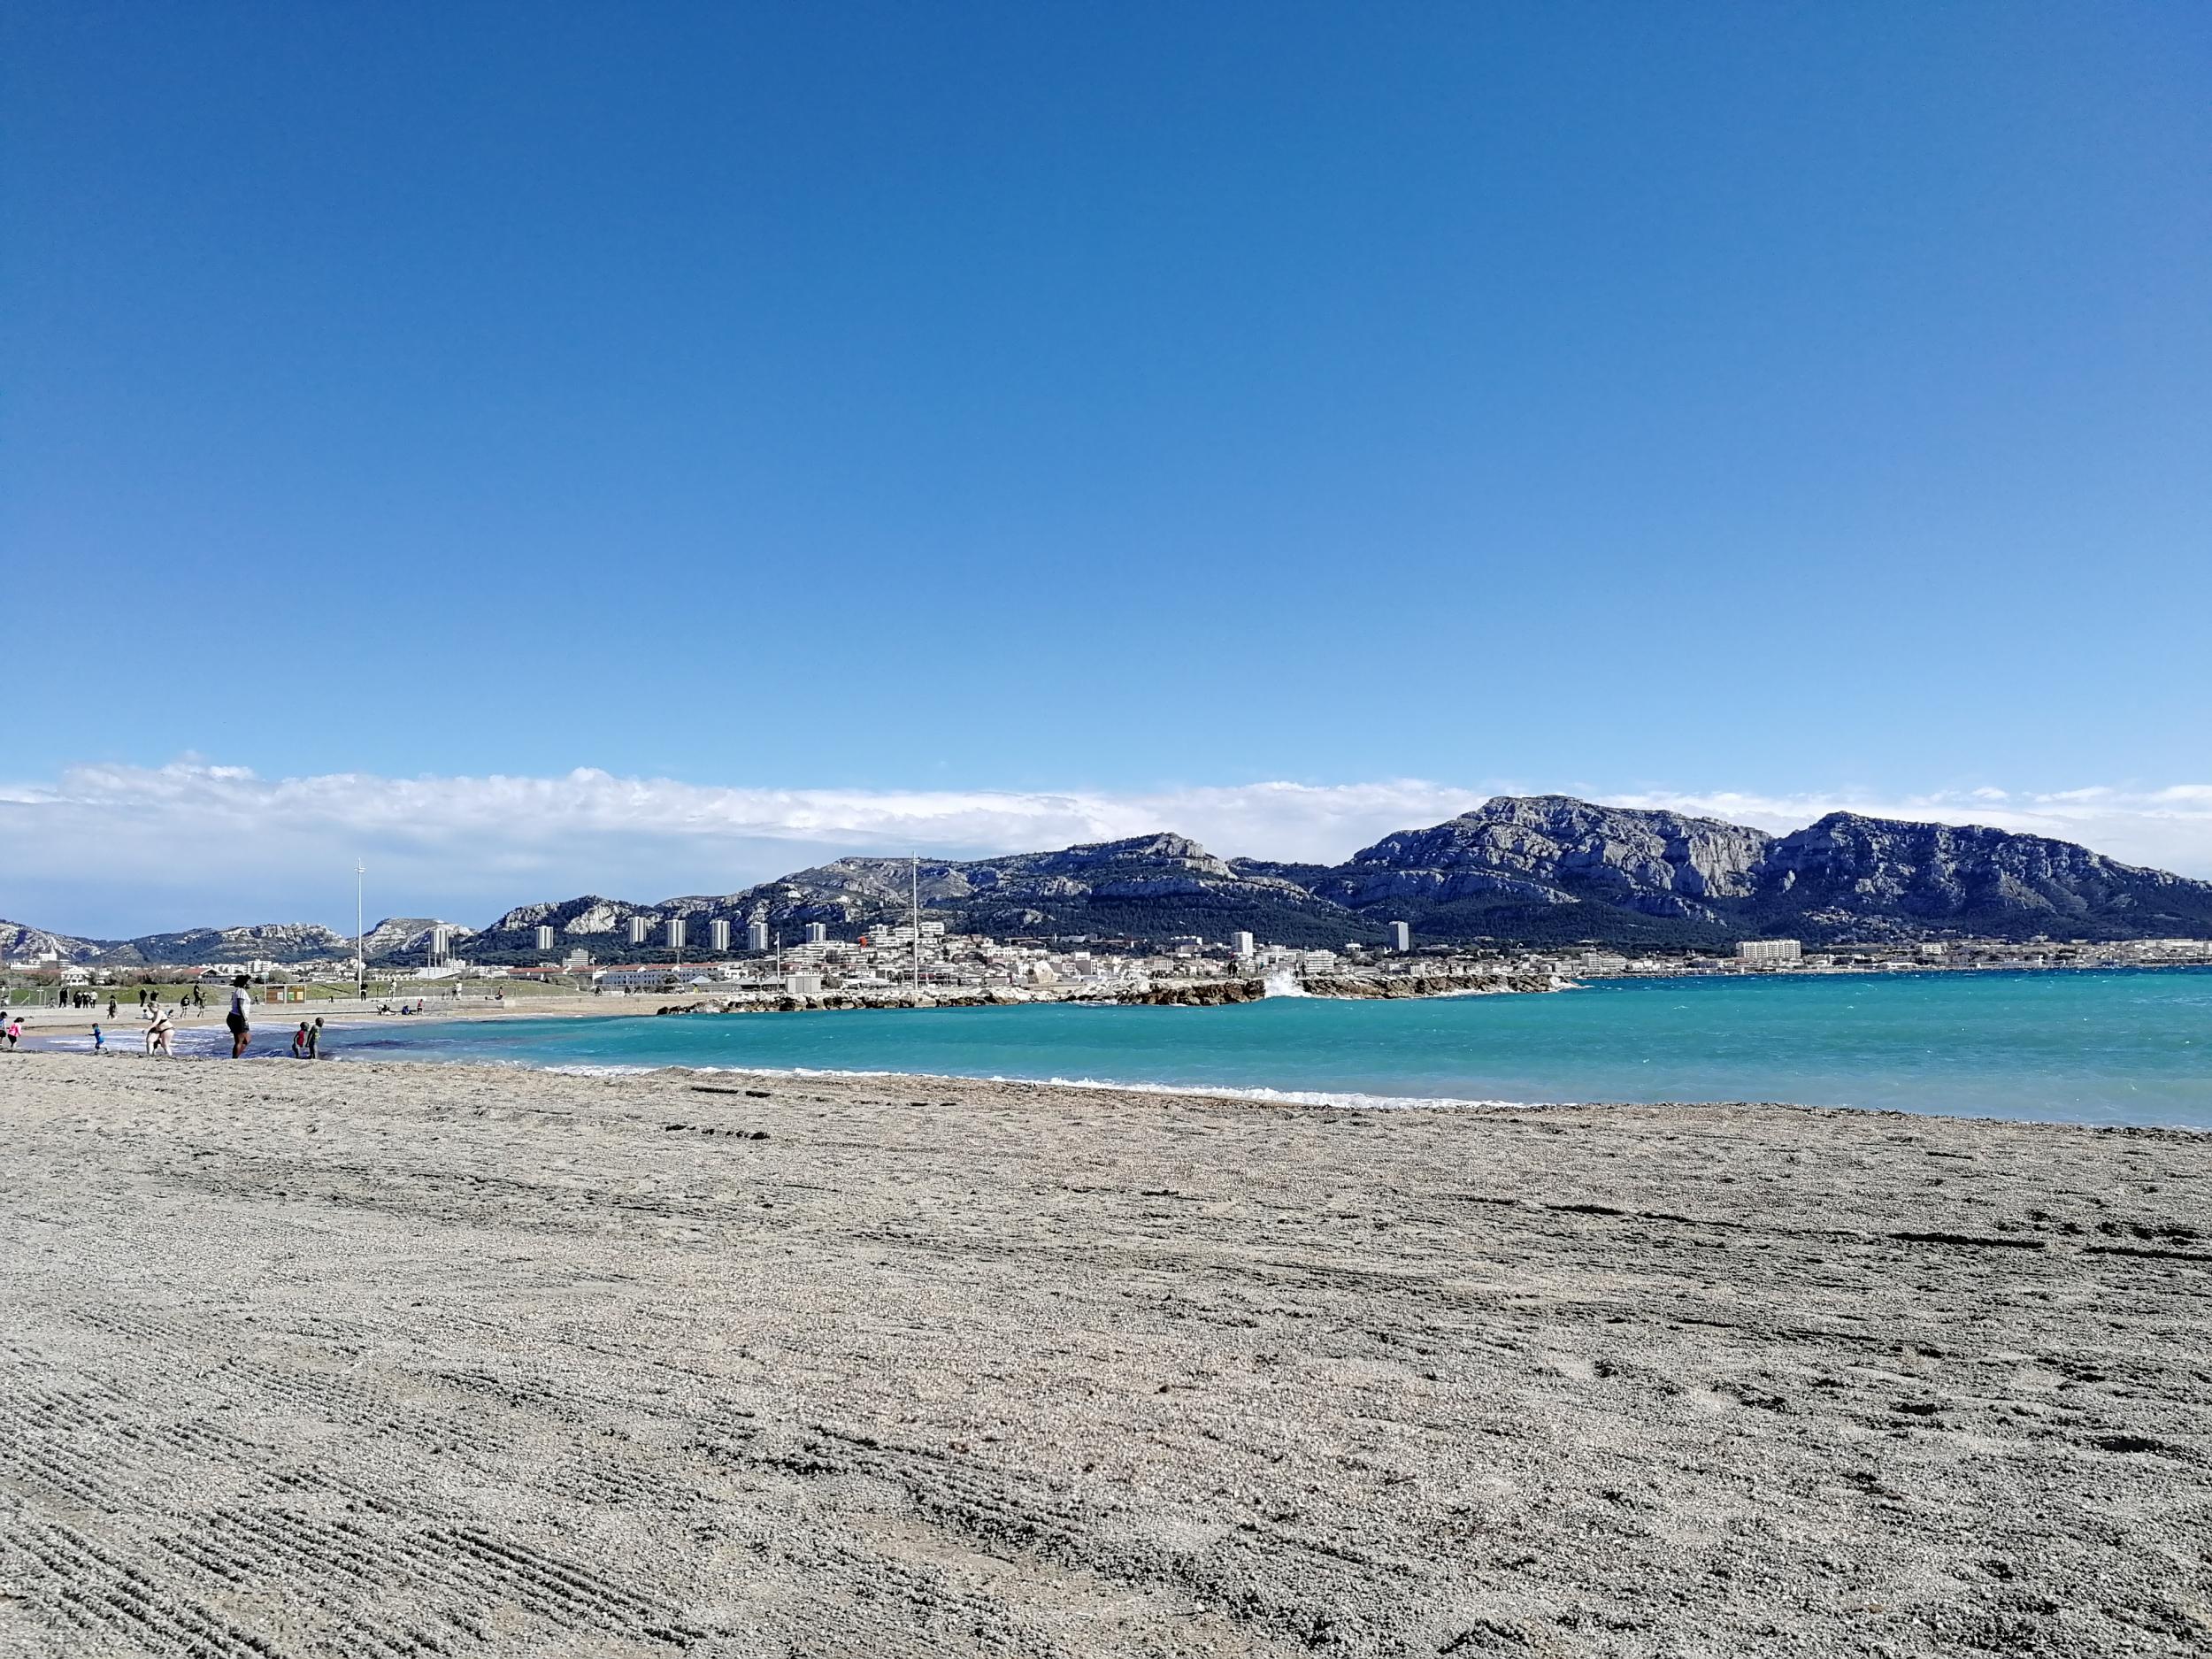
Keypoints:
pixel 240 1000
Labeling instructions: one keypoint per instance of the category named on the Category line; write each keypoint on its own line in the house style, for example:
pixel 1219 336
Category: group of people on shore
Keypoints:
pixel 307 1041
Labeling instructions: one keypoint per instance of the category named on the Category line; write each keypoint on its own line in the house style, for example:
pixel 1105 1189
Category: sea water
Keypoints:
pixel 2119 1047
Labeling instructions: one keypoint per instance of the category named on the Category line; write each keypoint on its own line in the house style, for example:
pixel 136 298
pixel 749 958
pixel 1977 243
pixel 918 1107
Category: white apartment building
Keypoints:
pixel 1769 950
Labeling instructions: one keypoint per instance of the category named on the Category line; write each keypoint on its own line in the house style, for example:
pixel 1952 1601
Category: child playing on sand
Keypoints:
pixel 315 1038
pixel 99 1042
pixel 15 1031
pixel 299 1042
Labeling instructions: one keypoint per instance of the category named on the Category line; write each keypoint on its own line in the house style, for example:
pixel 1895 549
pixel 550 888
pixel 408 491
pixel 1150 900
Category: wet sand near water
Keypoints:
pixel 402 1359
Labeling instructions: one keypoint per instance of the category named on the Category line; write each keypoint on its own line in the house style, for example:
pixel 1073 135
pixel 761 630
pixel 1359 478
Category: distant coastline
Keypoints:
pixel 1525 874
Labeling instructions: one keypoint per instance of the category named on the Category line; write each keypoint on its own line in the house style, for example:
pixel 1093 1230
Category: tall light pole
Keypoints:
pixel 914 899
pixel 360 930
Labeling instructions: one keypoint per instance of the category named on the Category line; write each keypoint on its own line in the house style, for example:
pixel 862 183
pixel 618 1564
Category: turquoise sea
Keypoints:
pixel 2127 1046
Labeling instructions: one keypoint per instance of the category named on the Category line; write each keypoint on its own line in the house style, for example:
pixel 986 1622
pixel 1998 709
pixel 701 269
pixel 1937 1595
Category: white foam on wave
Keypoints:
pixel 1342 1098
pixel 1299 1097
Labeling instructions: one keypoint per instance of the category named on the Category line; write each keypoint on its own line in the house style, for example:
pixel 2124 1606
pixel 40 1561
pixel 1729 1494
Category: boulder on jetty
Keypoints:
pixel 1198 993
pixel 1429 985
pixel 1178 993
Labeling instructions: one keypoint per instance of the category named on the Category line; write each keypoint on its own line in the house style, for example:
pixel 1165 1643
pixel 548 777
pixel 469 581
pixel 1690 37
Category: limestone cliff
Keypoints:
pixel 1630 876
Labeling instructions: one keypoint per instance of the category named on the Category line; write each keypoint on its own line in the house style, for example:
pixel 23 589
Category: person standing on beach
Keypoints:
pixel 240 1000
pixel 15 1030
pixel 99 1042
pixel 299 1042
pixel 315 1038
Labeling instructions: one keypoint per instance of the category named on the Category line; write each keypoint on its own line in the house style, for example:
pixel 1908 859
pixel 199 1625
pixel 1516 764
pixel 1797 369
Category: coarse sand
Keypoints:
pixel 388 1359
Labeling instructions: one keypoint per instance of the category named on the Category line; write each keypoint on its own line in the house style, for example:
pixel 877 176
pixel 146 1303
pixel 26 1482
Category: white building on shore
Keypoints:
pixel 1769 950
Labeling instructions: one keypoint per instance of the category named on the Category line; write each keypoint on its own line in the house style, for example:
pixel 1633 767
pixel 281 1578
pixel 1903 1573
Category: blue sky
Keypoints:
pixel 1787 402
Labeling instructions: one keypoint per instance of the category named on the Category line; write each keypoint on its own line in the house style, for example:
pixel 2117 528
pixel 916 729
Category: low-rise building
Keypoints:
pixel 633 979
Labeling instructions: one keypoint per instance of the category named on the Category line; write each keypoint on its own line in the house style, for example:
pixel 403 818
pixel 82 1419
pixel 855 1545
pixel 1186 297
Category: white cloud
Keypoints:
pixel 116 850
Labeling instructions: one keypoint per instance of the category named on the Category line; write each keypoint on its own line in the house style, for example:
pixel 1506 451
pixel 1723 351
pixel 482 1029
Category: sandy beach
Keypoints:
pixel 273 1022
pixel 388 1359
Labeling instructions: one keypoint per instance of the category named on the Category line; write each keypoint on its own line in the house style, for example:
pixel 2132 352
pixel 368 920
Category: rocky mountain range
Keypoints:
pixel 270 941
pixel 1152 886
pixel 21 941
pixel 1551 868
pixel 1530 869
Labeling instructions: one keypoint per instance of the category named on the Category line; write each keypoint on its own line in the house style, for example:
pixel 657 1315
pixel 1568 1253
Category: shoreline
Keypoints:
pixel 737 1363
pixel 42 1022
pixel 1258 1096
pixel 1344 1100
pixel 1253 1096
pixel 44 1019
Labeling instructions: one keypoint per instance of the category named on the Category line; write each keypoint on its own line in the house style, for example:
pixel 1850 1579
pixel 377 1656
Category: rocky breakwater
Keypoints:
pixel 1196 993
pixel 835 1002
pixel 1181 993
pixel 1427 985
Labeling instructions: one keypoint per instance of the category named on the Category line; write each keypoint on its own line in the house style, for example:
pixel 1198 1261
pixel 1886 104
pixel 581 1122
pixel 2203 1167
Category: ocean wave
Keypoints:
pixel 1341 1099
pixel 1350 1099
